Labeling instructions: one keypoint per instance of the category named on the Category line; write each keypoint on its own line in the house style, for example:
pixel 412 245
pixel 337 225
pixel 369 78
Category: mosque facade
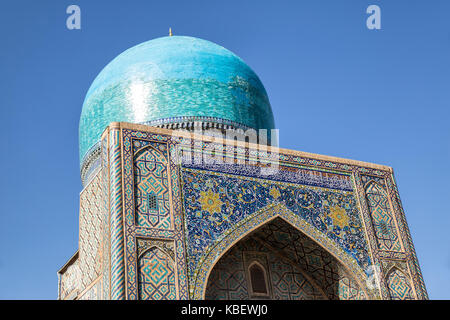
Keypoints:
pixel 187 196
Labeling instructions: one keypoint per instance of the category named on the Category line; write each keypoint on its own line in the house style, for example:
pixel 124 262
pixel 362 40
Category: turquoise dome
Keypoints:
pixel 174 79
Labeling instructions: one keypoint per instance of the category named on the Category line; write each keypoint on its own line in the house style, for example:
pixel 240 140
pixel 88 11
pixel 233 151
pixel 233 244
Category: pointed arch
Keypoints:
pixel 156 275
pixel 258 219
pixel 374 185
pixel 258 288
pixel 399 284
pixel 156 247
pixel 159 156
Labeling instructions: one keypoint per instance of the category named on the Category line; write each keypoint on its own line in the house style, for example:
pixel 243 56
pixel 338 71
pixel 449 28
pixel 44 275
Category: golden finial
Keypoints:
pixel 170 32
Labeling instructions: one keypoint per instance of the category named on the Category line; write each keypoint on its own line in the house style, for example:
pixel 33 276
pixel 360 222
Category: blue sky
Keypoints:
pixel 336 88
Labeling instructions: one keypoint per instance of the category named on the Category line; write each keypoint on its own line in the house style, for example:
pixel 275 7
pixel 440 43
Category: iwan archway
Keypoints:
pixel 322 271
pixel 277 261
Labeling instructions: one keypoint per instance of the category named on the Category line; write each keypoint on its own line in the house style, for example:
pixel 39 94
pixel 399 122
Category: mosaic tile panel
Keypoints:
pixel 106 234
pixel 133 143
pixel 348 288
pixel 413 262
pixel 156 275
pixel 116 217
pixel 90 239
pixel 399 285
pixel 151 188
pixel 287 173
pixel 381 213
pixel 214 202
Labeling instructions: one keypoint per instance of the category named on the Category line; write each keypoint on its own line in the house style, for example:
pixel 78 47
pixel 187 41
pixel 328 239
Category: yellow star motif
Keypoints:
pixel 275 193
pixel 339 216
pixel 210 201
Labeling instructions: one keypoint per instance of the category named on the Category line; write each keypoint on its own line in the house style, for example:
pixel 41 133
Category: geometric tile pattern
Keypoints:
pixel 348 288
pixel 135 143
pixel 321 266
pixel 399 285
pixel 90 239
pixel 382 219
pixel 93 293
pixel 70 281
pixel 392 233
pixel 151 189
pixel 106 220
pixel 116 217
pixel 413 263
pixel 288 283
pixel 156 275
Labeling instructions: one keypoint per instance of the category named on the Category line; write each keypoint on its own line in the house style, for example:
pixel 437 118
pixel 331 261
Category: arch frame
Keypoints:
pixel 373 182
pixel 408 279
pixel 155 246
pixel 159 157
pixel 255 221
pixel 391 212
pixel 266 279
pixel 144 148
pixel 166 254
